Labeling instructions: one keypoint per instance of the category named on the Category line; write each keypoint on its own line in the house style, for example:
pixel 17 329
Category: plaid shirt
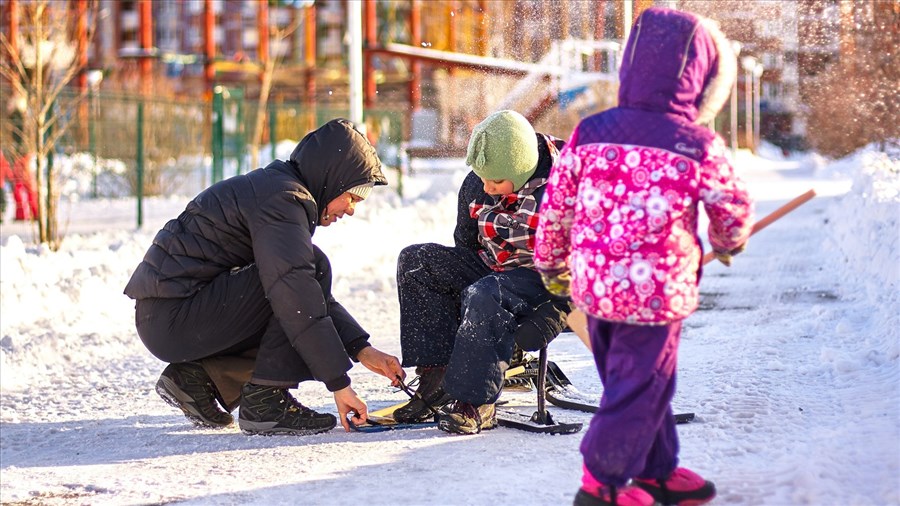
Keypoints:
pixel 506 226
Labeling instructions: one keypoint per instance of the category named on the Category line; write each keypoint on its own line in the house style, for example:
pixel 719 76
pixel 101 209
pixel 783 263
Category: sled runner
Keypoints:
pixel 571 398
pixel 559 390
pixel 375 423
pixel 383 419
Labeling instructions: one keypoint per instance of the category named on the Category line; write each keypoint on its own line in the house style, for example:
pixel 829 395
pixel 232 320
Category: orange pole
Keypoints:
pixel 599 30
pixel 452 27
pixel 262 28
pixel 481 20
pixel 639 7
pixel 453 30
pixel 145 16
pixel 82 80
pixel 81 37
pixel 563 19
pixel 309 55
pixel 619 24
pixel 771 217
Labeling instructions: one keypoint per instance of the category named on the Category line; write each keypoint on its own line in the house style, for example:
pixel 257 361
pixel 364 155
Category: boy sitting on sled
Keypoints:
pixel 464 308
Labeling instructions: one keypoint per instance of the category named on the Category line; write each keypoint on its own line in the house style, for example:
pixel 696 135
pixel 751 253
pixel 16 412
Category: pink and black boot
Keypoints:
pixel 595 493
pixel 682 488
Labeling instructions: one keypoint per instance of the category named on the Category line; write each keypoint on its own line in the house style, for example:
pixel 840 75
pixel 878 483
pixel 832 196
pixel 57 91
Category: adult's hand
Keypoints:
pixel 382 363
pixel 346 401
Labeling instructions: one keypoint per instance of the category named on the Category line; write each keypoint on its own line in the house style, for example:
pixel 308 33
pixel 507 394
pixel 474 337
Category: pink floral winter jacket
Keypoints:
pixel 620 210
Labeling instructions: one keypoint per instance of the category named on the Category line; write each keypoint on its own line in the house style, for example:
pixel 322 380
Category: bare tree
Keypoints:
pixel 276 35
pixel 41 62
pixel 857 102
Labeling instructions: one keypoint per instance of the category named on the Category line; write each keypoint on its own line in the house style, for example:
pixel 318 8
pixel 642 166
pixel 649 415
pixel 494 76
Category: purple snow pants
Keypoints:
pixel 633 432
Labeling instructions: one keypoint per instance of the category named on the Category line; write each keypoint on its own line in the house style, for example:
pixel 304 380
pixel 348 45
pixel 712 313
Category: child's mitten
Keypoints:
pixel 725 256
pixel 557 283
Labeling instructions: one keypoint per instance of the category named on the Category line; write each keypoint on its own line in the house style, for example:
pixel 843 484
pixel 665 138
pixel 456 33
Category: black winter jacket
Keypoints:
pixel 268 217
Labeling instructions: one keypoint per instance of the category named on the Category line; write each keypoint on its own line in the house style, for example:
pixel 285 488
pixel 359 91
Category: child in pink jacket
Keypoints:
pixel 618 232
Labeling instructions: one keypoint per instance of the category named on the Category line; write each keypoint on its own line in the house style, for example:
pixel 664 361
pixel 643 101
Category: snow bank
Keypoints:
pixel 864 227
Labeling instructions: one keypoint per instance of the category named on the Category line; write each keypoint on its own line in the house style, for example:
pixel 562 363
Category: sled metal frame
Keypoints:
pixel 541 421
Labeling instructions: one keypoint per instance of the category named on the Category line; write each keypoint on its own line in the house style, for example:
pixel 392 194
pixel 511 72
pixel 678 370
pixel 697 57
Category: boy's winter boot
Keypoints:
pixel 428 394
pixel 595 493
pixel 186 386
pixel 268 410
pixel 464 418
pixel 682 488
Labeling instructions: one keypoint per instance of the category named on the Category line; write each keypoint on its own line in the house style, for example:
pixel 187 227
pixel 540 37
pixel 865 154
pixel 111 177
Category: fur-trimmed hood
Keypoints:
pixel 676 62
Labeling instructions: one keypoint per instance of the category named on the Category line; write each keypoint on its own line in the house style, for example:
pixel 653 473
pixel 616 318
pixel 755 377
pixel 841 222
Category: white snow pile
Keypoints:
pixel 867 233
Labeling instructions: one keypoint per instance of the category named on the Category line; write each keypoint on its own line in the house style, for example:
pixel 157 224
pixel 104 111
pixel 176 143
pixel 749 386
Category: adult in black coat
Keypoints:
pixel 237 275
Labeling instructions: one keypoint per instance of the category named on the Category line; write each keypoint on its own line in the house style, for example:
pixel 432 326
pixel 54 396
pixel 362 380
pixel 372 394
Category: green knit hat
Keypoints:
pixel 504 146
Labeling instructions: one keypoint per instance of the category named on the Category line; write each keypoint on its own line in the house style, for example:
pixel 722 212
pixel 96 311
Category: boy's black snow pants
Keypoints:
pixel 457 312
pixel 222 325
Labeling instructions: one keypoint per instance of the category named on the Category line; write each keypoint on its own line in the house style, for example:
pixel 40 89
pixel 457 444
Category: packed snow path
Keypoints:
pixel 791 366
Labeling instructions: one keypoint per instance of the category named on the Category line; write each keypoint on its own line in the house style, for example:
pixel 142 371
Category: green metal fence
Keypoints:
pixel 147 146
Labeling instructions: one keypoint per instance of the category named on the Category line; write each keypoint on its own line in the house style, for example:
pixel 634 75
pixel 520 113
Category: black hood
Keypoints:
pixel 334 158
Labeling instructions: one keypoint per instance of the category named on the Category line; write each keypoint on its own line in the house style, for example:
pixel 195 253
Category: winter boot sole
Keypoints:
pixel 695 497
pixel 177 398
pixel 684 501
pixel 446 426
pixel 272 429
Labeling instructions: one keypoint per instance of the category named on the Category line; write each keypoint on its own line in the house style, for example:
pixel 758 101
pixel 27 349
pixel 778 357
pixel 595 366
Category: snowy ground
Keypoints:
pixel 791 366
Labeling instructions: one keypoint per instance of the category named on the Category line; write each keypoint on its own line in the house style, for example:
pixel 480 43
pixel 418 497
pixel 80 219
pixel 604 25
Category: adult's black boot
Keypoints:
pixel 269 411
pixel 428 398
pixel 186 386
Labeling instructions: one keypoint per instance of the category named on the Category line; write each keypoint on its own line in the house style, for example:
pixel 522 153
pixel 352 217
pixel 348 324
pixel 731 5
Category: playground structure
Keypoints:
pixel 579 75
